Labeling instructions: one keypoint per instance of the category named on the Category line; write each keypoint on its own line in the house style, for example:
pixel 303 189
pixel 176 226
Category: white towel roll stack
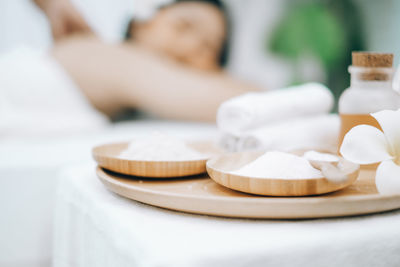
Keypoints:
pixel 317 133
pixel 257 109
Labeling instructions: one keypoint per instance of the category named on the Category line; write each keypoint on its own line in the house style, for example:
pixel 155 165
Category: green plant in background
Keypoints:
pixel 325 30
pixel 310 28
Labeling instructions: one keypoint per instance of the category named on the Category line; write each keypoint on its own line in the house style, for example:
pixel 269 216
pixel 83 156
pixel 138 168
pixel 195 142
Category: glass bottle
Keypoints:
pixel 370 91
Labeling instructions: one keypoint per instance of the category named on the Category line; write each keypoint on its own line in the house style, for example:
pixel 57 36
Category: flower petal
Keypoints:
pixel 389 120
pixel 365 144
pixel 387 178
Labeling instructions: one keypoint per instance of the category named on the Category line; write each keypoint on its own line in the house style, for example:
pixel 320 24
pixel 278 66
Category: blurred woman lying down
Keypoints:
pixel 169 65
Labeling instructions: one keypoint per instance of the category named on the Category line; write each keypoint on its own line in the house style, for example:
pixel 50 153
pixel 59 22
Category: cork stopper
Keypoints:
pixel 372 61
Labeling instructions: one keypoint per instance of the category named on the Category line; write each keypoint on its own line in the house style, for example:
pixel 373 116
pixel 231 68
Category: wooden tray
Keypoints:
pixel 201 195
pixel 220 168
pixel 107 157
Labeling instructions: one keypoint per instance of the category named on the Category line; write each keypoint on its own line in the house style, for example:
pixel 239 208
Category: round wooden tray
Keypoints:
pixel 220 168
pixel 107 157
pixel 201 195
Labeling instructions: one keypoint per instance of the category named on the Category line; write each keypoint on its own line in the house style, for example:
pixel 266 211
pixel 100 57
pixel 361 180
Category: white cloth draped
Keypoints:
pixel 95 227
pixel 28 179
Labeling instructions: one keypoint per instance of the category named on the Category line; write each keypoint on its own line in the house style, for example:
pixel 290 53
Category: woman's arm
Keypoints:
pixel 115 76
pixel 63 17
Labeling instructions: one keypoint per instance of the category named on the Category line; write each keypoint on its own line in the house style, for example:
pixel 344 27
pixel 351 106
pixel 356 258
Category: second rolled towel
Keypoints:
pixel 312 133
pixel 318 132
pixel 257 109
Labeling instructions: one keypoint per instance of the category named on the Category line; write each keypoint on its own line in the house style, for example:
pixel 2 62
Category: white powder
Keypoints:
pixel 314 155
pixel 279 165
pixel 160 147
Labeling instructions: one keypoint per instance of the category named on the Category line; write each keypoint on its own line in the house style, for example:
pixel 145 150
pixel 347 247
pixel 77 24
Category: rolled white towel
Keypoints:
pixel 257 109
pixel 228 142
pixel 314 133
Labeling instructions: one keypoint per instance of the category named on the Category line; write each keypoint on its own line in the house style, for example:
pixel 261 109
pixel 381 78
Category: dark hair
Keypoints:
pixel 224 52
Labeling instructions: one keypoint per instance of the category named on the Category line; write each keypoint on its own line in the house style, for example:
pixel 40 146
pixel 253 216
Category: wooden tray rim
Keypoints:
pixel 255 198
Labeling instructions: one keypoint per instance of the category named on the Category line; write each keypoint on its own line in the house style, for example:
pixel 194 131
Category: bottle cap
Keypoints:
pixel 377 66
pixel 372 59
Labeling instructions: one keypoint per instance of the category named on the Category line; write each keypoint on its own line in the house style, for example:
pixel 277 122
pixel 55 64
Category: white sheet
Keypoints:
pixel 37 97
pixel 95 227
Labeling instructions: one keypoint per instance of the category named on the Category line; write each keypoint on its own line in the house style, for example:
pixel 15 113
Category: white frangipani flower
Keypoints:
pixel 366 144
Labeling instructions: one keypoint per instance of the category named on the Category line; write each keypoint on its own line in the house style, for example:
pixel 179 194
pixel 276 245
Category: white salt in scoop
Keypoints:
pixel 160 147
pixel 314 155
pixel 279 165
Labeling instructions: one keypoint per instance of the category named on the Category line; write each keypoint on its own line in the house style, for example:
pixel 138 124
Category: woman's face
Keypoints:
pixel 189 32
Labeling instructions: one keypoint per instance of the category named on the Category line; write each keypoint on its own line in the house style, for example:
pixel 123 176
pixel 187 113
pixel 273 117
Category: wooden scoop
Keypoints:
pixel 336 172
pixel 220 170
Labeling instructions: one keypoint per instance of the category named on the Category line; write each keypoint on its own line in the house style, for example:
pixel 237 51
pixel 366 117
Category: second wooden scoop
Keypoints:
pixel 220 170
pixel 107 156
